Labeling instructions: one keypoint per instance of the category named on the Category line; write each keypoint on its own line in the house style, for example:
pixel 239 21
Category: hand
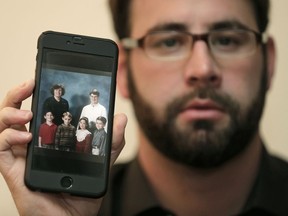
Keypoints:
pixel 13 143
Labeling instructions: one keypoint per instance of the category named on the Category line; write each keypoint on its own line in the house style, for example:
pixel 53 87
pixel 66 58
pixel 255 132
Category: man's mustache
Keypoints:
pixel 223 100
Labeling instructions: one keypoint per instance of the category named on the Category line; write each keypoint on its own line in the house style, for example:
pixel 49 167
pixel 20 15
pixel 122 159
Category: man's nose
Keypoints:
pixel 201 69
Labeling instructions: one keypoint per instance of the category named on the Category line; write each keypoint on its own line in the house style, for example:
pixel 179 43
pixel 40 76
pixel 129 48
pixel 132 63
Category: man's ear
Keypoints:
pixel 271 60
pixel 122 82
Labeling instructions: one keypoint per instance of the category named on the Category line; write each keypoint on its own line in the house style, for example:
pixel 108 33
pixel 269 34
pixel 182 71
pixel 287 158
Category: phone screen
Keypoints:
pixel 65 85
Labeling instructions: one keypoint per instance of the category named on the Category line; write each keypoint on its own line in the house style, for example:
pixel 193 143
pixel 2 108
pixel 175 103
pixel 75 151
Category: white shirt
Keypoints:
pixel 94 111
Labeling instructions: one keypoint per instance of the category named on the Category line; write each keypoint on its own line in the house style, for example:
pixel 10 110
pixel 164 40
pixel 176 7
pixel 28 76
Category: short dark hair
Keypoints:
pixel 261 10
pixel 120 10
pixel 47 111
pixel 102 119
pixel 57 86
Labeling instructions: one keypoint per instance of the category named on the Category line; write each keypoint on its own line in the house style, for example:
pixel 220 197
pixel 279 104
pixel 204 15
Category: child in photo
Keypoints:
pixel 83 136
pixel 47 132
pixel 99 137
pixel 65 134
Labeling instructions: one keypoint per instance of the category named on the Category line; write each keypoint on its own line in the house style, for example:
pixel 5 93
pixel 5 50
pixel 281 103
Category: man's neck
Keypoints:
pixel 187 191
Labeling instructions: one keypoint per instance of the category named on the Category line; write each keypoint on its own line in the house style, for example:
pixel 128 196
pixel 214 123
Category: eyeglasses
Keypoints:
pixel 176 45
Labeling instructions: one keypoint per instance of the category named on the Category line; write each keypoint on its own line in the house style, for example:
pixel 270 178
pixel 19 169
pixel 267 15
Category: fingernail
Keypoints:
pixel 29 114
pixel 25 135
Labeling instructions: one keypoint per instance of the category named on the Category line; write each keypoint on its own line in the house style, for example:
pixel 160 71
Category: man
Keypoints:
pixel 197 72
pixel 94 109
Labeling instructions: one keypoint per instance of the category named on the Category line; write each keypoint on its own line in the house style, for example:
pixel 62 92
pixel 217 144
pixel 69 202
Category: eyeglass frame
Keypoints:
pixel 132 43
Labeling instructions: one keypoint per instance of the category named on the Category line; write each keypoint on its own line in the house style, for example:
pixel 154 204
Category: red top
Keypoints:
pixel 47 133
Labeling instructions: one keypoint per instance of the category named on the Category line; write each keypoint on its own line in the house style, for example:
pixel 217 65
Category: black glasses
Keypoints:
pixel 176 45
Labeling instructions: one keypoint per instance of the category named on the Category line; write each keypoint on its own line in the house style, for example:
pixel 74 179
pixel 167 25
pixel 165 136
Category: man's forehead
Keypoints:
pixel 194 15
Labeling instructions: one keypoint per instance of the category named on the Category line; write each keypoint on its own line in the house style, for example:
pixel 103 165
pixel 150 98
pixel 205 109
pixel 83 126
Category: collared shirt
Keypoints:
pixel 131 195
pixel 269 196
pixel 99 141
pixel 47 133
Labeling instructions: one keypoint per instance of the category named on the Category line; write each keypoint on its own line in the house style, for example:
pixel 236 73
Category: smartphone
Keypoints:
pixel 73 106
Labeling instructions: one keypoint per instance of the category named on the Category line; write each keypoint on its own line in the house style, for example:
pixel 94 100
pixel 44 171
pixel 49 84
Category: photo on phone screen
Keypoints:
pixel 73 110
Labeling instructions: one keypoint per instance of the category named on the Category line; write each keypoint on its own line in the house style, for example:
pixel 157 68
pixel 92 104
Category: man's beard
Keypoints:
pixel 200 144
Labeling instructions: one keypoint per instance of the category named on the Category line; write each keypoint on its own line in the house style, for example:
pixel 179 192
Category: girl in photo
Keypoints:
pixel 83 136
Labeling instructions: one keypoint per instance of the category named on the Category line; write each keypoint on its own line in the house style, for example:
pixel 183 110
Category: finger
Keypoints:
pixel 13 117
pixel 118 139
pixel 16 95
pixel 9 139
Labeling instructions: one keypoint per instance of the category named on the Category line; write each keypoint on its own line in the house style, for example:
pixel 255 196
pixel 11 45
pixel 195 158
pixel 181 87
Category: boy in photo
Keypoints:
pixel 66 134
pixel 100 136
pixel 47 132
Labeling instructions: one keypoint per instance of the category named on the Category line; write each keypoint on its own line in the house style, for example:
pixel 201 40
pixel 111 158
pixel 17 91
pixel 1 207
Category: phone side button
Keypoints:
pixel 66 182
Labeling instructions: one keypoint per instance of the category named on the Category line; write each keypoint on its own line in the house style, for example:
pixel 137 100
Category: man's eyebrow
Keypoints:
pixel 228 24
pixel 169 27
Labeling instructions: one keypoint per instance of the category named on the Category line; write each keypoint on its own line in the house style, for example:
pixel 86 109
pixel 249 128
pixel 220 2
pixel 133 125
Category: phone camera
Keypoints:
pixel 66 182
pixel 68 42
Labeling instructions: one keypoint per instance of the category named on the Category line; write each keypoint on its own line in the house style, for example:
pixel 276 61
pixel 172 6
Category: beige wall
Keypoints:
pixel 22 21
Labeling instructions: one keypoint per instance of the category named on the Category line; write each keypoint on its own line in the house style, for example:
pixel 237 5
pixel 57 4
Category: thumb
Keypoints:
pixel 118 139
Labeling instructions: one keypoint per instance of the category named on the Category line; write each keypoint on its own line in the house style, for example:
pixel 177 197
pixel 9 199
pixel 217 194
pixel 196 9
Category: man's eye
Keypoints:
pixel 164 43
pixel 226 41
pixel 168 43
pixel 229 42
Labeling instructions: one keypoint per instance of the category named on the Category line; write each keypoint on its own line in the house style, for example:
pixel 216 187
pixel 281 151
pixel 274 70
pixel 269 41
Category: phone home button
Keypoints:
pixel 66 182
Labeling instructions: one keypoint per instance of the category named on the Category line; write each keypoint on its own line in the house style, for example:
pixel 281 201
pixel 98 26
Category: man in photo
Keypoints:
pixel 93 110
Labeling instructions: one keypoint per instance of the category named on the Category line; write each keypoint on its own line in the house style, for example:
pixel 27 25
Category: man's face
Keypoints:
pixel 93 99
pixel 198 110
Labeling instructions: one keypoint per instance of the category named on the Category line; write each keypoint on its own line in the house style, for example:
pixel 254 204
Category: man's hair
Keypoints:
pixel 94 92
pixel 120 10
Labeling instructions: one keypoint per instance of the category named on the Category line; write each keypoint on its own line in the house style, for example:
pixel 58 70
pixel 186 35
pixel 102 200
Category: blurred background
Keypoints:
pixel 21 23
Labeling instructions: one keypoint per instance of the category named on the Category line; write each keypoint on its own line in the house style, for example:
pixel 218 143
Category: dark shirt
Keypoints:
pixel 99 140
pixel 130 194
pixel 56 107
